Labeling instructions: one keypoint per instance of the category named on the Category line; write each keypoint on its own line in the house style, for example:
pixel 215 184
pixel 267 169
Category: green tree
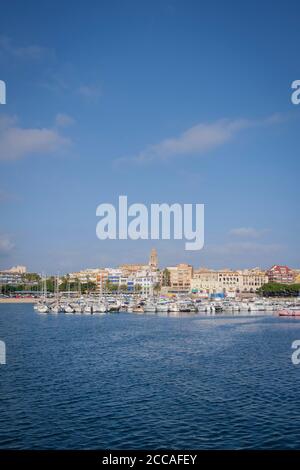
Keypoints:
pixel 274 289
pixel 50 284
pixel 123 288
pixel 166 278
pixel 31 277
pixel 110 287
pixel 89 287
pixel 156 288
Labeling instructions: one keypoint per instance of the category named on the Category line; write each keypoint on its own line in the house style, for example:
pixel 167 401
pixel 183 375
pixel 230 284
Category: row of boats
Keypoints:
pixel 103 305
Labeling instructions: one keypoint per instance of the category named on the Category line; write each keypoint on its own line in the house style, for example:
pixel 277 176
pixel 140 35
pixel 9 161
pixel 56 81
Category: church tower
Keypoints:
pixel 153 261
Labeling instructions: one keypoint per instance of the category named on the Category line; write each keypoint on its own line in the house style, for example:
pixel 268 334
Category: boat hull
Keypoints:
pixel 289 313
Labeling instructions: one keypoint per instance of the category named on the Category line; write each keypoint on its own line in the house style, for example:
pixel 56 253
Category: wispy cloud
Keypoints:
pixel 17 142
pixel 90 92
pixel 28 52
pixel 248 232
pixel 6 245
pixel 245 248
pixel 199 139
pixel 64 120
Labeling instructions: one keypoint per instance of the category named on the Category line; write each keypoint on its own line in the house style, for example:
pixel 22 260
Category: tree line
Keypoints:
pixel 275 289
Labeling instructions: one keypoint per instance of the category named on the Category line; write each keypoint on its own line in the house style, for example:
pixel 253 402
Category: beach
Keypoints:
pixel 18 300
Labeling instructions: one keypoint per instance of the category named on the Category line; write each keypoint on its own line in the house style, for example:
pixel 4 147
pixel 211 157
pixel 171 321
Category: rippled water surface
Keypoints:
pixel 144 381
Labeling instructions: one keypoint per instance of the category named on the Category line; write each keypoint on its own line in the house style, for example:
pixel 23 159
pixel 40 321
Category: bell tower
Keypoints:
pixel 153 260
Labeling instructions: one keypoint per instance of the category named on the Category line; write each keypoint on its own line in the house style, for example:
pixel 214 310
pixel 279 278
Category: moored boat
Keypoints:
pixel 289 313
pixel 138 309
pixel 42 308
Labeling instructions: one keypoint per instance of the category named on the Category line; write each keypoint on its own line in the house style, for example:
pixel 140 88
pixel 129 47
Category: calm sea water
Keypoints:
pixel 144 381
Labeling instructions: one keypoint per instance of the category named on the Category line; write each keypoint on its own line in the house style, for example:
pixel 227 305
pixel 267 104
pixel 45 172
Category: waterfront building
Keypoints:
pixel 85 276
pixel 205 281
pixel 252 279
pixel 129 269
pixel 114 276
pixel 10 278
pixel 147 281
pixel 132 269
pixel 281 274
pixel 102 278
pixel 297 276
pixel 180 277
pixel 16 270
pixel 227 281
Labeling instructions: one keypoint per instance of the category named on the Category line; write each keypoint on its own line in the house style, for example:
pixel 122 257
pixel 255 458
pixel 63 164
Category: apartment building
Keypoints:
pixel 281 274
pixel 85 276
pixel 180 277
pixel 225 281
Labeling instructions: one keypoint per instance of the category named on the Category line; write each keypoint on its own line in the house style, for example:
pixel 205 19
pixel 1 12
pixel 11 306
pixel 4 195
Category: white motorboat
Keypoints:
pixel 113 306
pixel 162 306
pixel 150 307
pixel 173 307
pixel 42 308
pixel 99 308
pixel 257 306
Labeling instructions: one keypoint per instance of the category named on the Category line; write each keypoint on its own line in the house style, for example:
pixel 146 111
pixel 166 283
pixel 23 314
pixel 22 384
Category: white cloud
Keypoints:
pixel 63 120
pixel 6 245
pixel 243 248
pixel 90 92
pixel 199 139
pixel 247 232
pixel 17 142
pixel 31 52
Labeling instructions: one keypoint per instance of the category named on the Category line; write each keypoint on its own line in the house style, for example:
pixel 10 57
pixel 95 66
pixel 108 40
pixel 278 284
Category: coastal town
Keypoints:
pixel 145 287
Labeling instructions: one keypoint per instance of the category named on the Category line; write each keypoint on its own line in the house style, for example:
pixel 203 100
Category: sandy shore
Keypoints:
pixel 18 301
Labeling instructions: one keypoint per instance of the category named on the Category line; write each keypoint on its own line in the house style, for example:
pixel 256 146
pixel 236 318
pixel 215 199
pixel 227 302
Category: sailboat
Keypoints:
pixel 56 308
pixel 42 307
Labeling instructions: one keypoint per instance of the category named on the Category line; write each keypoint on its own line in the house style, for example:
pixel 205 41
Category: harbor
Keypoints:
pixel 147 288
pixel 100 305
pixel 125 380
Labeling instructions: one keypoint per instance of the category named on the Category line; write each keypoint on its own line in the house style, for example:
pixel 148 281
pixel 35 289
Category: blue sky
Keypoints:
pixel 164 101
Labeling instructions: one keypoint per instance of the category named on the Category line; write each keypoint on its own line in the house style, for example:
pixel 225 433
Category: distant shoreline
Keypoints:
pixel 18 300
